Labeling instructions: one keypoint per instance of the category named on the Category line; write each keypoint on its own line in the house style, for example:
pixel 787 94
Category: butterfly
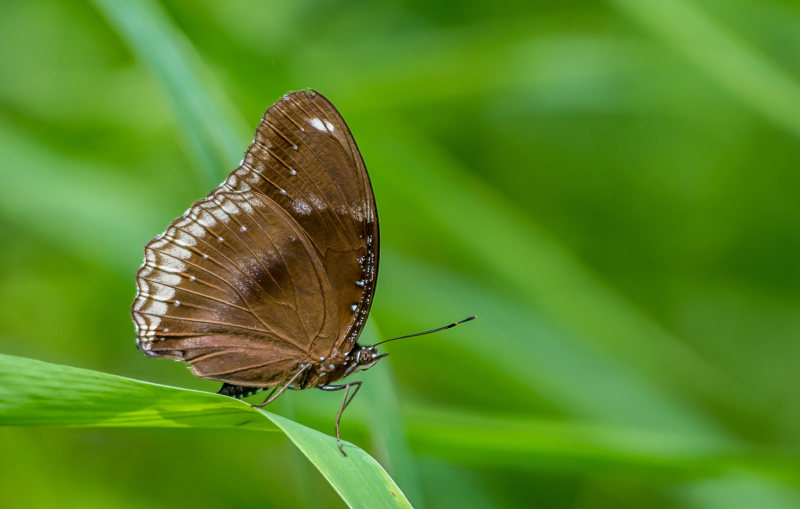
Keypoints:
pixel 267 282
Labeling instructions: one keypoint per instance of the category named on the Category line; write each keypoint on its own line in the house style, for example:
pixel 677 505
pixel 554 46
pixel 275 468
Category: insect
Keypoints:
pixel 267 281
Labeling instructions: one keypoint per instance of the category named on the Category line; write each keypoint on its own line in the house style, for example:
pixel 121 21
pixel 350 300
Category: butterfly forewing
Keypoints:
pixel 305 158
pixel 275 266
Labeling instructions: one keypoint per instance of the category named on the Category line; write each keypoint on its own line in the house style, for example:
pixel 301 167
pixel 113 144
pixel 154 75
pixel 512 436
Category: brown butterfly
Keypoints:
pixel 268 281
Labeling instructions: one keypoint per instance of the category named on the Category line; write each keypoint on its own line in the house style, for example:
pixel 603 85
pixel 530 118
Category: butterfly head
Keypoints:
pixel 368 356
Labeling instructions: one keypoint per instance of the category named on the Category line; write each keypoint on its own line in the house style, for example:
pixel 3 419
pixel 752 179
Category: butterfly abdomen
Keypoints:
pixel 238 391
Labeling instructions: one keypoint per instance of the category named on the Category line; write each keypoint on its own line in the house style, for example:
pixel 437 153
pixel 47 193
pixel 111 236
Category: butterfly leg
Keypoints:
pixel 272 396
pixel 271 392
pixel 302 384
pixel 345 401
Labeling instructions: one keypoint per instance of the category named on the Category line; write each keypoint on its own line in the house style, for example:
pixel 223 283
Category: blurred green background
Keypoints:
pixel 611 186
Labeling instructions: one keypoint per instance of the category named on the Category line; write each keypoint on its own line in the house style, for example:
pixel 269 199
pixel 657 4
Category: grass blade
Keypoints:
pixel 370 480
pixel 35 393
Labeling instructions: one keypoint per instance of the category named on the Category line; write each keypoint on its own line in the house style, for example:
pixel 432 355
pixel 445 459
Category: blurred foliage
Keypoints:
pixel 612 187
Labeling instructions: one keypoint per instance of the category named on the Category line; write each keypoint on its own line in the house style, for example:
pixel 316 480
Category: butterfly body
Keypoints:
pixel 319 372
pixel 333 369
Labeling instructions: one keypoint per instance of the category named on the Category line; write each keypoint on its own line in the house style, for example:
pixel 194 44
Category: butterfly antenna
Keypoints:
pixel 437 329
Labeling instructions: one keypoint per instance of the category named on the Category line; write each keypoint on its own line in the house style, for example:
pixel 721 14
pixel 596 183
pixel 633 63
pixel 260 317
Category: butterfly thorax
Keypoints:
pixel 325 370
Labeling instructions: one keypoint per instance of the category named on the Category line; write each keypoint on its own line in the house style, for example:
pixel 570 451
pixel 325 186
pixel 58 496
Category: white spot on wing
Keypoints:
pixel 182 238
pixel 178 252
pixel 357 212
pixel 317 124
pixel 155 307
pixel 254 199
pixel 301 207
pixel 206 219
pixel 318 202
pixel 164 293
pixel 196 230
pixel 229 207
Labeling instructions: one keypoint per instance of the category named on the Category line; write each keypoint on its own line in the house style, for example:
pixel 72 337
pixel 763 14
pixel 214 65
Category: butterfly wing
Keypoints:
pixel 232 287
pixel 305 159
pixel 275 266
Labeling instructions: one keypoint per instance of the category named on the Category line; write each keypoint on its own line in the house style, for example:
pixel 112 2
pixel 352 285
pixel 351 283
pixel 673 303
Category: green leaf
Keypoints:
pixel 35 393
